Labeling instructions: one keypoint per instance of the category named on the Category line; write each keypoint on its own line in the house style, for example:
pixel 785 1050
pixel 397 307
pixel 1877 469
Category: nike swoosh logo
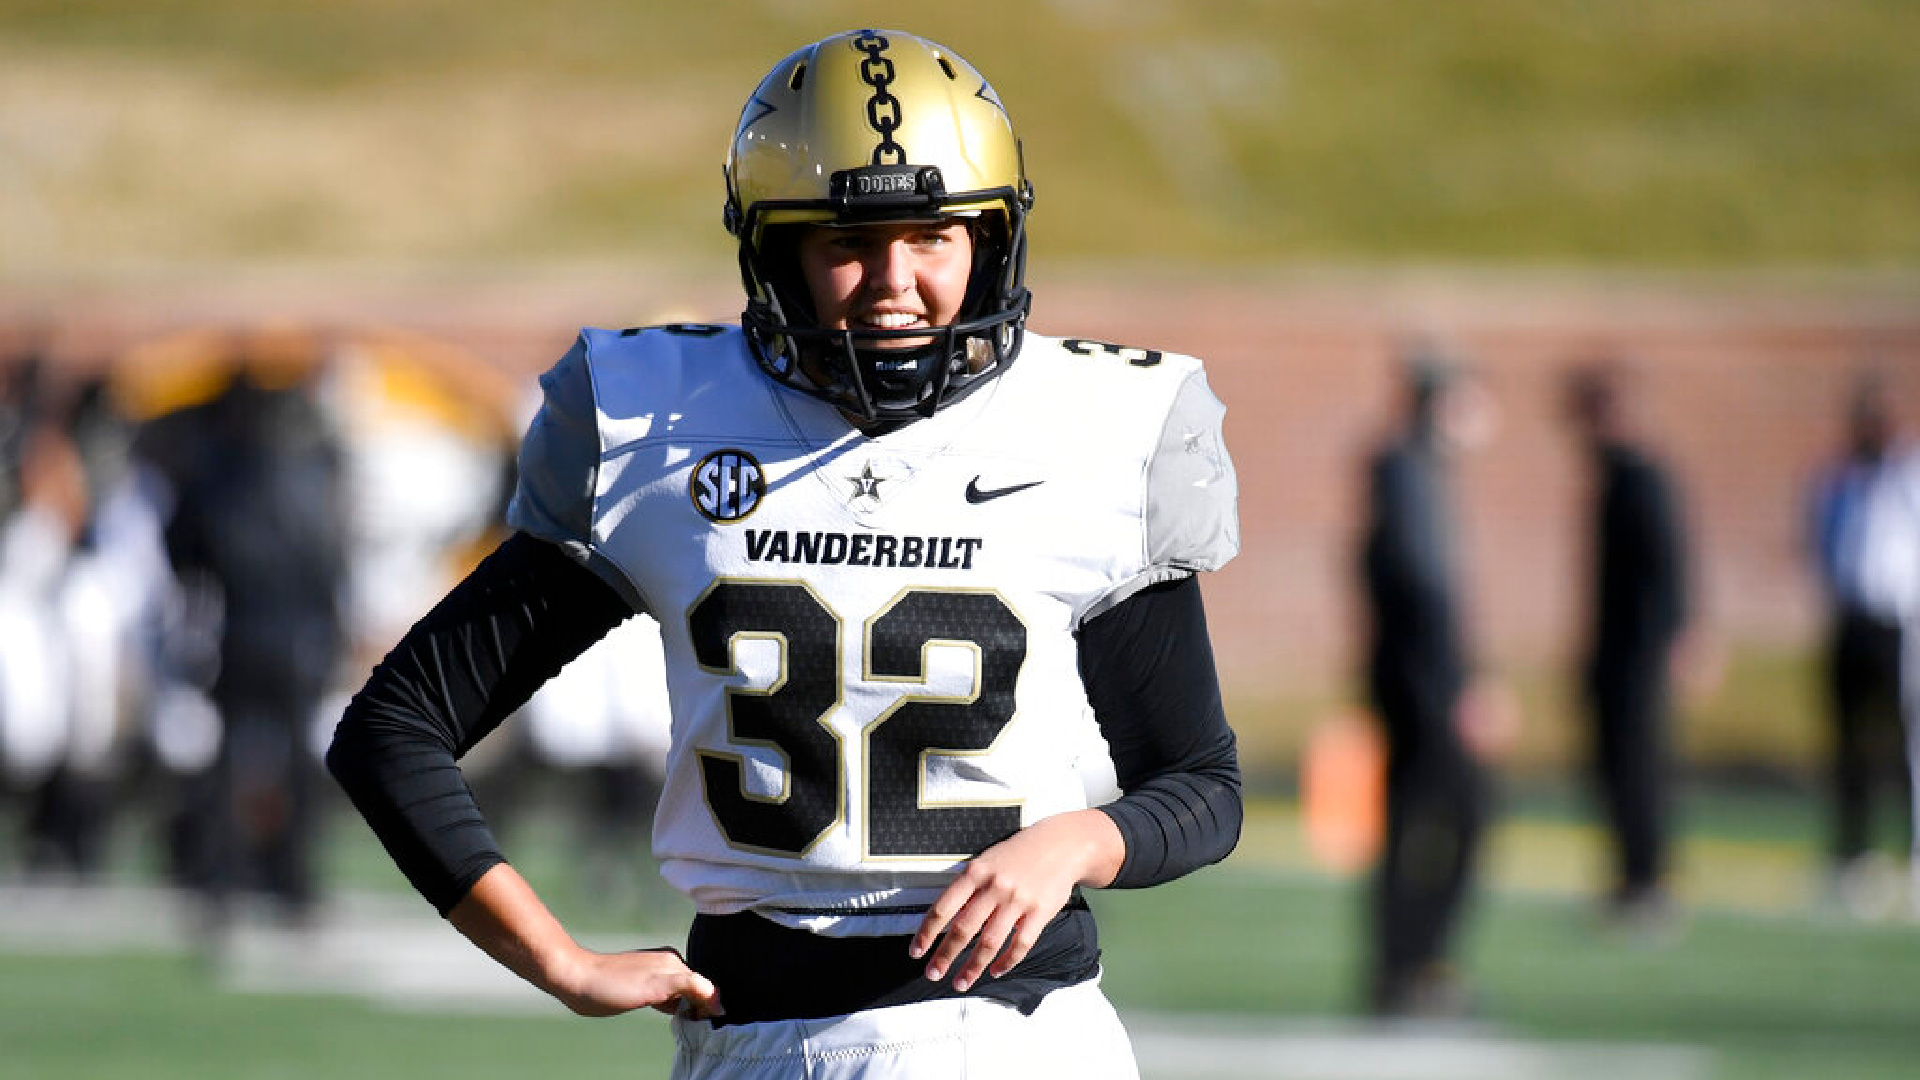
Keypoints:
pixel 977 494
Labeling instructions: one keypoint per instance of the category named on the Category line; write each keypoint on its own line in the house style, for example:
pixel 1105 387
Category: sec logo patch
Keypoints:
pixel 727 485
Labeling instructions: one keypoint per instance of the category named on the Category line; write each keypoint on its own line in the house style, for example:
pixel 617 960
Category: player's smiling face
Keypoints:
pixel 887 275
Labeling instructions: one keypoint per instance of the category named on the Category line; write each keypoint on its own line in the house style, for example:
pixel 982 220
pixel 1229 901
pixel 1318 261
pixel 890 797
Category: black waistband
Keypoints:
pixel 766 971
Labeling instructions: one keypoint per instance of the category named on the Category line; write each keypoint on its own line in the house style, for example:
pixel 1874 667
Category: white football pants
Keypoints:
pixel 1074 1033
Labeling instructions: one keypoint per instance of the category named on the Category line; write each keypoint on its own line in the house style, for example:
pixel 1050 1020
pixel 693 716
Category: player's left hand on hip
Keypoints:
pixel 1005 896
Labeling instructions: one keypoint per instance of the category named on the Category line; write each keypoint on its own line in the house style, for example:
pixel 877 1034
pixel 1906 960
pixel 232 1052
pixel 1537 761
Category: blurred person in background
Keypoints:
pixel 1866 547
pixel 79 575
pixel 20 378
pixel 1637 610
pixel 1438 720
pixel 40 698
pixel 257 531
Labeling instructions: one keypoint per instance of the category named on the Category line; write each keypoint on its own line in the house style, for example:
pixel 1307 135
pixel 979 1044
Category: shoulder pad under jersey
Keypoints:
pixel 559 463
pixel 560 456
pixel 1192 493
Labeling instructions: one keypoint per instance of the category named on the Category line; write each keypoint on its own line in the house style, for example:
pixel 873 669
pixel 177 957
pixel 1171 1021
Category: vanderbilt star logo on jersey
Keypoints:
pixel 866 485
pixel 727 485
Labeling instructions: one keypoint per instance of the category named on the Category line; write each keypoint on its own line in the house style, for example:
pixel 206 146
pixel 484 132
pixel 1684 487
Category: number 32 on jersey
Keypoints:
pixel 791 716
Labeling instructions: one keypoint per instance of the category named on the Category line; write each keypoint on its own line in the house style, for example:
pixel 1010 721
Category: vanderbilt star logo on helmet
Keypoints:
pixel 727 485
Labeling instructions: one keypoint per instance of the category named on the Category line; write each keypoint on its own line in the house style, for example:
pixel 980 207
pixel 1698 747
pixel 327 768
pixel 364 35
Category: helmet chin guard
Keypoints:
pixel 878 126
pixel 854 371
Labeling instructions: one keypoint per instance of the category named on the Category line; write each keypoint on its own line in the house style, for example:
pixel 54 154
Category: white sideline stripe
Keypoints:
pixel 398 954
pixel 100 919
pixel 439 972
pixel 409 969
pixel 1215 1048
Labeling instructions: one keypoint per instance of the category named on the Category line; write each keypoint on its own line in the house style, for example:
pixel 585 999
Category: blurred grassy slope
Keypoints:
pixel 1711 134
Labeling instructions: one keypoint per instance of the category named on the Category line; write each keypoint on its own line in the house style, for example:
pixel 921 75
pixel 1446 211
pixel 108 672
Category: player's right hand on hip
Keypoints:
pixel 608 984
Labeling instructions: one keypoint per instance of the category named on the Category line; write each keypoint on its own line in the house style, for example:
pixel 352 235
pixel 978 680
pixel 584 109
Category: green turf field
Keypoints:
pixel 1258 955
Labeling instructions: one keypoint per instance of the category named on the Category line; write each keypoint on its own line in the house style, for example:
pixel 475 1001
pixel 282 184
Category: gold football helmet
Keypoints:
pixel 878 125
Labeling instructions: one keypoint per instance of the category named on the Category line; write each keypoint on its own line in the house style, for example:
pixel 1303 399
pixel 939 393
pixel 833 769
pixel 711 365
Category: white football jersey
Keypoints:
pixel 870 642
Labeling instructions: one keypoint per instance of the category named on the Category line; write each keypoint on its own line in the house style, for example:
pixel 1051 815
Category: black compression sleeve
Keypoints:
pixel 1148 669
pixel 520 616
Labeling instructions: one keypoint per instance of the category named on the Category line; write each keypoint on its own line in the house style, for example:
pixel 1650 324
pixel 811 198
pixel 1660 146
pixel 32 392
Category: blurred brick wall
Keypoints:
pixel 1742 390
pixel 1743 381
